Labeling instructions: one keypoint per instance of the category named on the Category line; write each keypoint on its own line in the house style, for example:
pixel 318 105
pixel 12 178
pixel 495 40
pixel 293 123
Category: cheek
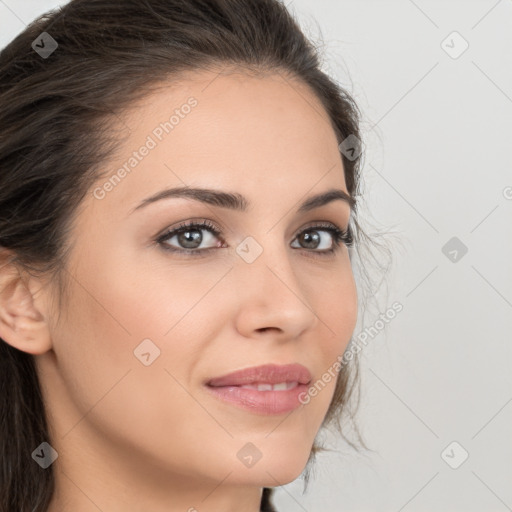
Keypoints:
pixel 337 308
pixel 108 385
pixel 121 310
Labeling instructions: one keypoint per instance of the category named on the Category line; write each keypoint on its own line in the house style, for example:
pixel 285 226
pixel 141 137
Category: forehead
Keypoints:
pixel 232 130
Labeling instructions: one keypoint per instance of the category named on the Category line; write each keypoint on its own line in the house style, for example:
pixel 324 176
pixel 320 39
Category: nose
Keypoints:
pixel 272 300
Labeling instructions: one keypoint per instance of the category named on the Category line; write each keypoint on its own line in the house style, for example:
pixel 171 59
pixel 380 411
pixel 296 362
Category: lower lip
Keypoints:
pixel 261 402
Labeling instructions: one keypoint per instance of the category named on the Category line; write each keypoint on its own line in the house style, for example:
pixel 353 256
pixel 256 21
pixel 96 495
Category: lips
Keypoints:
pixel 267 377
pixel 269 389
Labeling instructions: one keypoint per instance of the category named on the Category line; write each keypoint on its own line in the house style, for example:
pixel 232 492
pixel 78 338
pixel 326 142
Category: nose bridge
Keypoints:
pixel 264 260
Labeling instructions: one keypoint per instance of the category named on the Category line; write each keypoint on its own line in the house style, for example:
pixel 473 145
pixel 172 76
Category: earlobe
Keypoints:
pixel 22 325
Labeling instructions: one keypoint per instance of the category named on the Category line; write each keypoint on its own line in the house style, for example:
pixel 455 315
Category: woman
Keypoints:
pixel 178 201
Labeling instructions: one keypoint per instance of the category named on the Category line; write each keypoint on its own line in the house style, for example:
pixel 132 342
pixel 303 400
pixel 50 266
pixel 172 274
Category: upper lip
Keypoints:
pixel 265 374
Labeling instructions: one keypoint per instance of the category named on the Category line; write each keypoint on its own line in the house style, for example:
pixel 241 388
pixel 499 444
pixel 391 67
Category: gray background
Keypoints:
pixel 437 128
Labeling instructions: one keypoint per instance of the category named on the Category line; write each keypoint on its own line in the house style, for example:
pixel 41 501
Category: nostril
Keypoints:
pixel 265 329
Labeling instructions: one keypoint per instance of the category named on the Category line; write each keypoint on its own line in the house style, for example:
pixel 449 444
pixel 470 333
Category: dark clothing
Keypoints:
pixel 266 504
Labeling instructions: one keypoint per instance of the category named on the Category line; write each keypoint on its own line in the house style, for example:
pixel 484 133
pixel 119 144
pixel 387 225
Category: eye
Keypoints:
pixel 312 240
pixel 189 238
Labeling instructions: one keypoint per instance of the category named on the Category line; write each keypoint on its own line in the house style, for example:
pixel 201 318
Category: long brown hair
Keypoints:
pixel 56 116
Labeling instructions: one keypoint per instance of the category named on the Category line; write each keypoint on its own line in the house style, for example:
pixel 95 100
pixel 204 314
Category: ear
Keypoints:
pixel 22 324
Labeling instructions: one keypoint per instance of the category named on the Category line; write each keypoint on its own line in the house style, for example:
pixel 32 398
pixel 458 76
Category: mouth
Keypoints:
pixel 267 389
pixel 280 386
pixel 264 374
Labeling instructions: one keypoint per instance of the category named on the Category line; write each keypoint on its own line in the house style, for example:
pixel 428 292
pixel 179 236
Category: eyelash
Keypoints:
pixel 338 235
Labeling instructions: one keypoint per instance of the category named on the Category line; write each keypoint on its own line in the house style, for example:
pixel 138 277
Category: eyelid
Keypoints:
pixel 220 230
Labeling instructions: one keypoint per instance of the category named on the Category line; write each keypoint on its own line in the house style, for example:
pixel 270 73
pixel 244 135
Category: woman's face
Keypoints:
pixel 147 325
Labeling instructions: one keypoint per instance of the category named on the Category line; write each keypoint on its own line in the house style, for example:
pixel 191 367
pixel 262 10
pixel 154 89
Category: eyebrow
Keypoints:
pixel 238 202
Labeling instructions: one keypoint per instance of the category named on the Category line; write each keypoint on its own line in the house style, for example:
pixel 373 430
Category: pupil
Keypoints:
pixel 188 237
pixel 307 237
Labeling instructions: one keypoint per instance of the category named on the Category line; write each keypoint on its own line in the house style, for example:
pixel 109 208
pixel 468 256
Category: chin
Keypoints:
pixel 278 465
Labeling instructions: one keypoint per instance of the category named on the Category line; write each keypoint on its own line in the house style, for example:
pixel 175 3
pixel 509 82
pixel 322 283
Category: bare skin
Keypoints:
pixel 137 438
